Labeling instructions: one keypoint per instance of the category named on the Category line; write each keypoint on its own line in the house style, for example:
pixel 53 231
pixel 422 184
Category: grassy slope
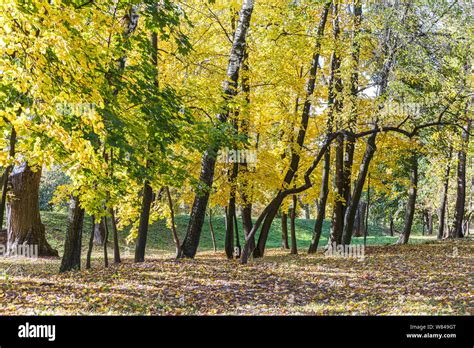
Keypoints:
pixel 159 236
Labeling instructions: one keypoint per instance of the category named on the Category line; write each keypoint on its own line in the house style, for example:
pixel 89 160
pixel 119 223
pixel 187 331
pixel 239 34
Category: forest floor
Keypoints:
pixel 429 278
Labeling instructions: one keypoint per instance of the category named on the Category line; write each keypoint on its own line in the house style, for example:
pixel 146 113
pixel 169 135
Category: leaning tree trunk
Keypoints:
pixel 410 210
pixel 72 246
pixel 23 215
pixel 295 155
pixel 461 185
pixel 196 220
pixel 359 186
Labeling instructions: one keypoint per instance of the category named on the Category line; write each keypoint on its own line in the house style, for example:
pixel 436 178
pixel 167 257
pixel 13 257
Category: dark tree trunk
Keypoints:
pixel 350 140
pixel 444 197
pixel 24 225
pixel 410 210
pixel 73 243
pixel 323 197
pixel 238 248
pixel 461 185
pixel 391 224
pixel 173 225
pixel 335 103
pixel 359 221
pixel 429 216
pixel 144 220
pixel 284 231
pixel 236 56
pixel 99 232
pixel 6 175
pixel 211 229
pixel 229 231
pixel 247 223
pixel 295 156
pixel 246 209
pixel 106 240
pixel 231 210
pixel 338 206
pixel 91 243
pixel 359 186
pixel 294 247
pixel 115 236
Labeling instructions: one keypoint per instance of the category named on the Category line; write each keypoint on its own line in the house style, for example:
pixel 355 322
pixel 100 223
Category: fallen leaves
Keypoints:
pixel 411 279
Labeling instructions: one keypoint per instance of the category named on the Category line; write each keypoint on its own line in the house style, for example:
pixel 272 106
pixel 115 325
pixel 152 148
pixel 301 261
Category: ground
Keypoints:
pixel 429 278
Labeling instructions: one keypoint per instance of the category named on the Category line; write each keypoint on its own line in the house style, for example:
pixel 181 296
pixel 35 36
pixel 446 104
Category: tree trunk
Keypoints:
pixel 359 186
pixel 461 184
pixel 350 140
pixel 173 225
pixel 295 156
pixel 391 224
pixel 24 225
pixel 430 222
pixel 247 223
pixel 231 210
pixel 144 220
pixel 91 244
pixel 6 176
pixel 338 206
pixel 73 243
pixel 211 229
pixel 359 220
pixel 99 232
pixel 335 234
pixel 294 247
pixel 238 248
pixel 115 236
pixel 106 240
pixel 323 197
pixel 236 55
pixel 410 210
pixel 284 231
pixel 444 197
pixel 229 231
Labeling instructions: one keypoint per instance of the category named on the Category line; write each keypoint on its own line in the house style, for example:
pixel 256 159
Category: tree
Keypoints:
pixel 236 55
pixel 459 211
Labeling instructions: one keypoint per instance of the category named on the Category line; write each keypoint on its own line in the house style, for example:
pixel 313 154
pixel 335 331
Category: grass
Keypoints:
pixel 160 238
